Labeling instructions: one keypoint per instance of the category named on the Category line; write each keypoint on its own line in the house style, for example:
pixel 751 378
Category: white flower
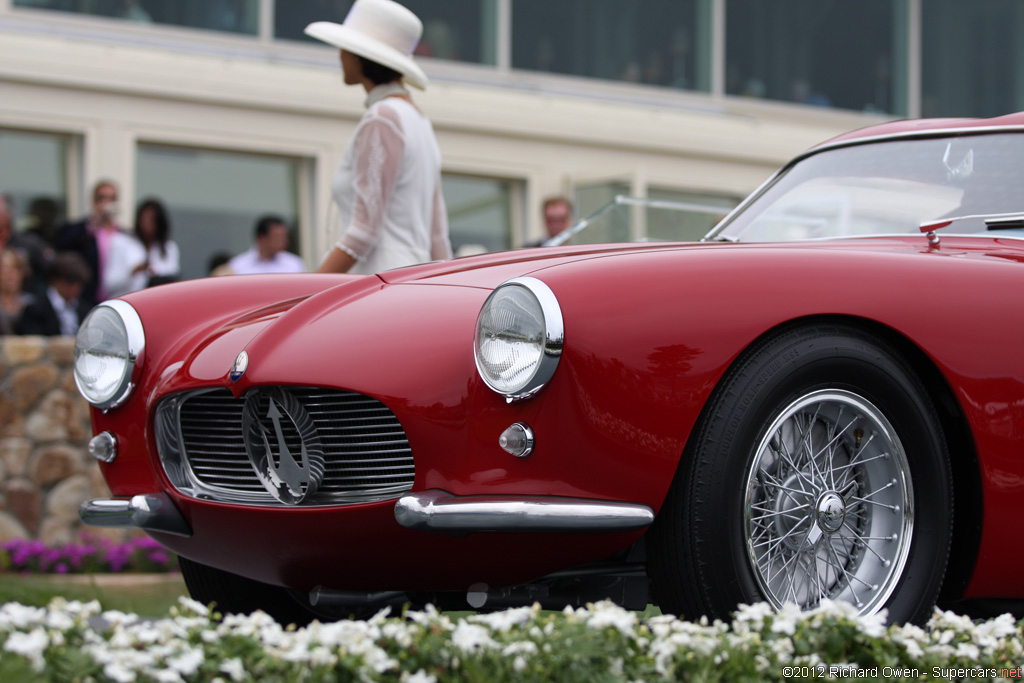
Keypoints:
pixel 606 613
pixel 505 620
pixel 188 662
pixel 786 619
pixel 30 645
pixel 16 616
pixel 470 637
pixel 968 651
pixel 115 618
pixel 754 615
pixel 233 667
pixel 420 676
pixel 401 634
pixel 193 606
pixel 166 676
pixel 519 647
pixel 119 672
pixel 988 634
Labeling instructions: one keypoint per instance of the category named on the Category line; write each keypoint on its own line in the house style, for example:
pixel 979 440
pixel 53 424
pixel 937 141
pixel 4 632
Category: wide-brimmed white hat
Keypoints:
pixel 379 30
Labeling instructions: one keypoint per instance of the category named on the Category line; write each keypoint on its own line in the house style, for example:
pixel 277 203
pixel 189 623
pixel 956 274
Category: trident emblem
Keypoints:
pixel 290 479
pixel 287 470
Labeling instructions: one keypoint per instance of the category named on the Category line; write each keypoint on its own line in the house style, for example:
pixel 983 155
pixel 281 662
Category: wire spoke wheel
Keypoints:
pixel 829 504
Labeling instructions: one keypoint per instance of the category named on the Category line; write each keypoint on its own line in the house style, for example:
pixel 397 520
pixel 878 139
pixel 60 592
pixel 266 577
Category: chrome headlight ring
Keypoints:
pixel 519 338
pixel 108 350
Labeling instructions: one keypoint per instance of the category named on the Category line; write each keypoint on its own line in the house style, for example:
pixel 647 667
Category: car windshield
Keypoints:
pixel 972 181
pixel 632 219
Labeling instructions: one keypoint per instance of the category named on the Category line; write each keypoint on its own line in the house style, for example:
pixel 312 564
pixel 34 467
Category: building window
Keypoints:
pixel 660 42
pixel 481 212
pixel 830 53
pixel 234 16
pixel 38 184
pixel 214 198
pixel 972 61
pixel 452 29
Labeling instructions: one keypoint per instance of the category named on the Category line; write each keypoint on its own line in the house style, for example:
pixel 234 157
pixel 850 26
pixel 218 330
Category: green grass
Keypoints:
pixel 145 599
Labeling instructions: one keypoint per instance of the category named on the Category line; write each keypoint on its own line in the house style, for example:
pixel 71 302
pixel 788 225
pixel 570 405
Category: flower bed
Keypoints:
pixel 91 556
pixel 602 643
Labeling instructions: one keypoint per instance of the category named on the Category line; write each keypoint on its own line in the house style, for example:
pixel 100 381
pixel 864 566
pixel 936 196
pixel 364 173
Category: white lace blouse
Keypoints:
pixel 388 190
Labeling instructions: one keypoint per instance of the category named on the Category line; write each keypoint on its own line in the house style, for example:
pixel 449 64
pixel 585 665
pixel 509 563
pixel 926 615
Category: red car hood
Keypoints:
pixel 490 270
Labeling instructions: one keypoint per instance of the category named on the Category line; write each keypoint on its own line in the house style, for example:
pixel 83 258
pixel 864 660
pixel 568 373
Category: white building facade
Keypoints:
pixel 220 111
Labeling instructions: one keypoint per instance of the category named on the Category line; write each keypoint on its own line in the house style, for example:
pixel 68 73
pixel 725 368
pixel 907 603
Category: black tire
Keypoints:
pixel 753 516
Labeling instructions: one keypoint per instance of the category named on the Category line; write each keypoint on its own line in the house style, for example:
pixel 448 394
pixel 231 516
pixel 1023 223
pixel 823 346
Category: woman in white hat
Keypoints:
pixel 388 186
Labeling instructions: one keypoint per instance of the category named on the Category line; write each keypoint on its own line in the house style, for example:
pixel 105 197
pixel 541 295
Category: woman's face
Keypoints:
pixel 351 68
pixel 11 275
pixel 147 224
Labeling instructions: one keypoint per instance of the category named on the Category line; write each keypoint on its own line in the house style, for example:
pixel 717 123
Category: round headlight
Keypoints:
pixel 109 343
pixel 519 338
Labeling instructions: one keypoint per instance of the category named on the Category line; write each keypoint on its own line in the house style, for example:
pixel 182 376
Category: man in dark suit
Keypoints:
pixel 59 310
pixel 91 237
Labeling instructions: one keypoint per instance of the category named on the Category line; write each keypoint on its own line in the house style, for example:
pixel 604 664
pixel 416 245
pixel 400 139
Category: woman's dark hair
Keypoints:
pixel 378 73
pixel 160 219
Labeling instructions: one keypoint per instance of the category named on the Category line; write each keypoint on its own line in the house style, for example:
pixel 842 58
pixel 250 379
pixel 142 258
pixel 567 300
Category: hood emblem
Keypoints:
pixel 283 445
pixel 239 366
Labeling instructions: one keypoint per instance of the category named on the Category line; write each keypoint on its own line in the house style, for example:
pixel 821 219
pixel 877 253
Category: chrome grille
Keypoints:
pixel 366 452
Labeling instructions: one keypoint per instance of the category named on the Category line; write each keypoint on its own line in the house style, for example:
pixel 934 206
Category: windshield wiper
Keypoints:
pixel 1004 222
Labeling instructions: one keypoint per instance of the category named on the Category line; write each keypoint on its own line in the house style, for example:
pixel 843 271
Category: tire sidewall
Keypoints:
pixel 754 397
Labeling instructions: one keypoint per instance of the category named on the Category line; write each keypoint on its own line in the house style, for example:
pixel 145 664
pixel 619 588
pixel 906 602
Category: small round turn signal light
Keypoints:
pixel 517 440
pixel 103 447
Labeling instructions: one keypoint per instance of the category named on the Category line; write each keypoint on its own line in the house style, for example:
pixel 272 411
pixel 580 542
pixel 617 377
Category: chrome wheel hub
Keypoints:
pixel 829 504
pixel 831 512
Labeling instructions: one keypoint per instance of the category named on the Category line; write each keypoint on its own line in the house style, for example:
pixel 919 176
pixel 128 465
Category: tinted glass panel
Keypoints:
pixel 973 62
pixel 644 41
pixel 235 16
pixel 830 53
pixel 452 29
pixel 479 212
pixel 214 198
pixel 37 183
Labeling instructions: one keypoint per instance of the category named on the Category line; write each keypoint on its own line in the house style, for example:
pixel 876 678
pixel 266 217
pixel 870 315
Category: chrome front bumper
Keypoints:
pixel 150 511
pixel 441 512
pixel 434 510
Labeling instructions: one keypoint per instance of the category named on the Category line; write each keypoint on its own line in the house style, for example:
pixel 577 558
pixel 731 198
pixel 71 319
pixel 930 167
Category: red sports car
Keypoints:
pixel 822 399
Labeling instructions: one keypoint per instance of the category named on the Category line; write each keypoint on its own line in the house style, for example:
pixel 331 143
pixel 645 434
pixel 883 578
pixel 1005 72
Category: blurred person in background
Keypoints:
pixel 388 186
pixel 270 253
pixel 91 238
pixel 153 230
pixel 145 258
pixel 32 247
pixel 14 272
pixel 557 213
pixel 61 309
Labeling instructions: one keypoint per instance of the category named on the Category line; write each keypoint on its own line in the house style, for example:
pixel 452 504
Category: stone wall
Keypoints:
pixel 46 471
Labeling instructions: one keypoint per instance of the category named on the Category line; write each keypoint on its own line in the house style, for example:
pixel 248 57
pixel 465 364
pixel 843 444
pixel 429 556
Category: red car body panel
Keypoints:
pixel 611 425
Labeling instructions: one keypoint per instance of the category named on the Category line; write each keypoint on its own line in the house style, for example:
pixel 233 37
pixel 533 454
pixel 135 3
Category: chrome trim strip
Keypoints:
pixel 441 512
pixel 150 511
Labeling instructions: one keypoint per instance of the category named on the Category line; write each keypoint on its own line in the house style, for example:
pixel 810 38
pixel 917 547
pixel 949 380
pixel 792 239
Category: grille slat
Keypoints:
pixel 366 452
